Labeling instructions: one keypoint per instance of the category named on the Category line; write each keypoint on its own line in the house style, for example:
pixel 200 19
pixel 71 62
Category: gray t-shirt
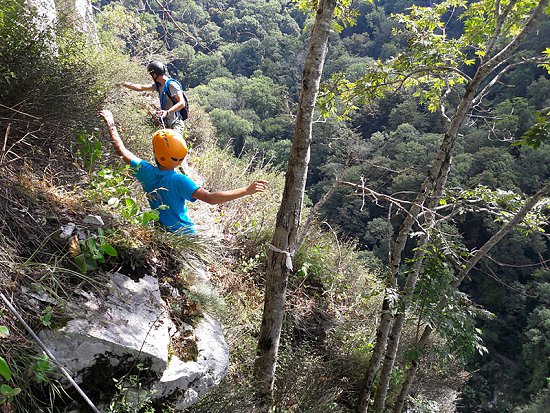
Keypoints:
pixel 166 103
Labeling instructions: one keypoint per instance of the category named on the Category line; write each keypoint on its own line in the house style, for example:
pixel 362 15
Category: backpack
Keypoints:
pixel 184 113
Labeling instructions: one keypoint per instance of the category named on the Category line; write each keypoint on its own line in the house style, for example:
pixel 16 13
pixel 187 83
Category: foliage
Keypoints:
pixel 537 134
pixel 130 396
pixel 88 253
pixel 539 404
pixel 7 393
pixel 128 31
pixel 243 60
pixel 89 149
pixel 501 204
pixel 113 187
pixel 250 217
pixel 35 384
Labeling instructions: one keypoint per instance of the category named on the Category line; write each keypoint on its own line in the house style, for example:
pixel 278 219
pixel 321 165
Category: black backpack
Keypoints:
pixel 184 113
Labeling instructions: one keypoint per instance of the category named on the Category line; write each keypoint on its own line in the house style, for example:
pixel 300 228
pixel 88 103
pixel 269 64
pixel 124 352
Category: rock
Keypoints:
pixel 93 220
pixel 196 377
pixel 67 230
pixel 131 323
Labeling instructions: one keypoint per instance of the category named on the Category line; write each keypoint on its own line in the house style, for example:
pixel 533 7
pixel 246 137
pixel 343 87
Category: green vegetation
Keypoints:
pixel 242 62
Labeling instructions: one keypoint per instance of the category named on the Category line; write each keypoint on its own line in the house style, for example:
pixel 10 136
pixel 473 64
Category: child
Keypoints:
pixel 164 186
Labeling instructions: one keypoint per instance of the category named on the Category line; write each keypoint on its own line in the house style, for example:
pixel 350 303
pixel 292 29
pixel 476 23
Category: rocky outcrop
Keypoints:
pixel 77 13
pixel 131 323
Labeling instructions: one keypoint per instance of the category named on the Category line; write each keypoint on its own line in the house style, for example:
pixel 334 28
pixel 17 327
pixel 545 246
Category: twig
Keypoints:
pixel 6 138
pixel 10 161
pixel 18 111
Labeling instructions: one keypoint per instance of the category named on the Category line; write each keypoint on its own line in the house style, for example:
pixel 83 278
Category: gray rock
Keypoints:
pixel 132 323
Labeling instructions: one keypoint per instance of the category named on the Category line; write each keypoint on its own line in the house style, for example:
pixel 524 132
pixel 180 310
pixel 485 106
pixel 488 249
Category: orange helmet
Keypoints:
pixel 170 148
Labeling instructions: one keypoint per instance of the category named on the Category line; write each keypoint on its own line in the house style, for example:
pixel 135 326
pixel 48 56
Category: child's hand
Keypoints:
pixel 256 186
pixel 107 116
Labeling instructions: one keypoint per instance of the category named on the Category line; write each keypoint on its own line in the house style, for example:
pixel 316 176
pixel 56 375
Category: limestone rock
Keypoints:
pixel 132 323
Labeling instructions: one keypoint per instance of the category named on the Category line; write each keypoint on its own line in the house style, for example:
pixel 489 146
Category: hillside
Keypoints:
pixel 422 282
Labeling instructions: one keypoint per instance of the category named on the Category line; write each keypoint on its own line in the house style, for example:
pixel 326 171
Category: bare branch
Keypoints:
pixel 506 228
pixel 502 264
pixel 512 46
pixel 379 196
pixel 18 111
pixel 181 29
pixel 499 75
pixel 500 19
pixel 313 215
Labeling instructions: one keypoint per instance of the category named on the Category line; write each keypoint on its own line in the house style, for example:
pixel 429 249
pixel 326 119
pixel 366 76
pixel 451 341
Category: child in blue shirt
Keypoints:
pixel 164 186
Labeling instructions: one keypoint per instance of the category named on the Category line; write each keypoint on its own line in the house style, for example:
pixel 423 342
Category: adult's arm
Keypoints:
pixel 138 87
pixel 178 105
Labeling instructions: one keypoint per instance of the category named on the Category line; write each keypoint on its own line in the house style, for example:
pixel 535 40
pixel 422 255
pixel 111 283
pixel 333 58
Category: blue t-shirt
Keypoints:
pixel 167 188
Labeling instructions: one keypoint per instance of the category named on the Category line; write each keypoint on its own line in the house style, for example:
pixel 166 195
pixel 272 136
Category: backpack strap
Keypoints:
pixel 184 112
pixel 170 95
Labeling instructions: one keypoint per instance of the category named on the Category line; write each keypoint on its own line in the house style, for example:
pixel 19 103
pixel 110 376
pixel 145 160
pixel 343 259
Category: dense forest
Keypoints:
pixel 374 140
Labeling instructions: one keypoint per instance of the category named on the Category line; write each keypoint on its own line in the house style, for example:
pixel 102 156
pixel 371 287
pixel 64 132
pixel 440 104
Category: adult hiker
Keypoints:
pixel 172 98
pixel 166 187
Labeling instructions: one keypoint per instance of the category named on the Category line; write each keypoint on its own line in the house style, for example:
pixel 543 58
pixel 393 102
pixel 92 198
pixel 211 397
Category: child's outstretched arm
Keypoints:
pixel 223 196
pixel 120 149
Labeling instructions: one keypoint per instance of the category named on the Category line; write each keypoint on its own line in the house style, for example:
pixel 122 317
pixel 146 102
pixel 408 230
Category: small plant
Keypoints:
pixel 87 254
pixel 130 397
pixel 7 393
pixel 89 149
pixel 46 317
pixel 42 368
pixel 112 186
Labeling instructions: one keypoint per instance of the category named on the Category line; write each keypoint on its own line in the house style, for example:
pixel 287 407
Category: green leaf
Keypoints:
pixel 42 363
pixel 80 261
pixel 109 250
pixel 9 391
pixel 92 246
pixel 46 317
pixel 5 369
pixel 4 332
pixel 101 235
pixel 91 263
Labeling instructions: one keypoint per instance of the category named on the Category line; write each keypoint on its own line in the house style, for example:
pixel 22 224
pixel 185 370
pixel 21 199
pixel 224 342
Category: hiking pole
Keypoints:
pixel 48 353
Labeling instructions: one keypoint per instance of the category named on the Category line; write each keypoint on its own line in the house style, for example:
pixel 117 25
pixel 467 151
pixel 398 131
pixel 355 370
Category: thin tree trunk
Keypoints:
pixel 411 372
pixel 395 334
pixel 470 264
pixel 435 179
pixel 288 217
pixel 382 332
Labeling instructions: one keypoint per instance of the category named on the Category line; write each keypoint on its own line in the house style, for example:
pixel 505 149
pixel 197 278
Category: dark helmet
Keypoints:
pixel 157 68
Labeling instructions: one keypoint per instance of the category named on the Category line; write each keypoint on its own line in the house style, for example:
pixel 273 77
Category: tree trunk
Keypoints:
pixel 411 372
pixel 395 334
pixel 283 244
pixel 435 179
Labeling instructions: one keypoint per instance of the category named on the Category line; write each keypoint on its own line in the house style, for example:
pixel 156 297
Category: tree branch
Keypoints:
pixel 511 47
pixel 500 19
pixel 313 215
pixel 514 222
pixel 498 76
